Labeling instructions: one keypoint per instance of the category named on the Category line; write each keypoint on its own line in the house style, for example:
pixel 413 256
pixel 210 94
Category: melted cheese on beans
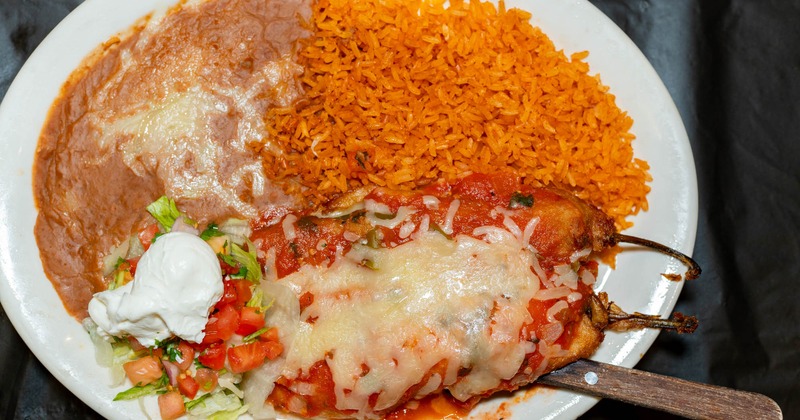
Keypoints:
pixel 382 318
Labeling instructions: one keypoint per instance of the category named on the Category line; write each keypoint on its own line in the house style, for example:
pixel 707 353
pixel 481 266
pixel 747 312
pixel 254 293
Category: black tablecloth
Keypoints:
pixel 733 69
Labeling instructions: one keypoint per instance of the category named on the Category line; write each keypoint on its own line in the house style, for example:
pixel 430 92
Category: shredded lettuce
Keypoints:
pixel 230 381
pixel 229 414
pixel 220 405
pixel 191 404
pixel 144 390
pixel 166 212
pixel 103 352
pixel 119 279
pixel 122 353
pixel 257 300
pixel 137 392
pixel 237 229
pixel 247 260
pixel 253 336
pixel 238 251
pixel 110 354
pixel 225 256
pixel 121 274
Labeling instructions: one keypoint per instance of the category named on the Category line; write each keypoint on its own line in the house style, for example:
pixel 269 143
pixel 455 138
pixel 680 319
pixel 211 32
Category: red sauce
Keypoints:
pixel 565 226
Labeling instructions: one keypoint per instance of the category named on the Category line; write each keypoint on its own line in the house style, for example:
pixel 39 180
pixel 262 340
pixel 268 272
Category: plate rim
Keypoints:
pixel 87 12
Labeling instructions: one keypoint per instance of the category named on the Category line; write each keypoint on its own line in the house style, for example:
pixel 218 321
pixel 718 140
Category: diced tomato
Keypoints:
pixel 133 262
pixel 237 293
pixel 158 353
pixel 250 320
pixel 187 356
pixel 188 386
pixel 147 234
pixel 270 335
pixel 229 295
pixel 227 269
pixel 124 265
pixel 243 291
pixel 199 347
pixel 170 405
pixel 206 378
pixel 214 356
pixel 273 349
pixel 143 371
pixel 246 357
pixel 321 399
pixel 221 325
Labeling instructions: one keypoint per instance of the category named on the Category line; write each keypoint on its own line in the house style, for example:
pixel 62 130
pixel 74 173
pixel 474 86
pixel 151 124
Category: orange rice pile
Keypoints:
pixel 401 93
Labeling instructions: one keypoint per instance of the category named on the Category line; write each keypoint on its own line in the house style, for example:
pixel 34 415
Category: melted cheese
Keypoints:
pixel 462 301
pixel 175 132
pixel 171 138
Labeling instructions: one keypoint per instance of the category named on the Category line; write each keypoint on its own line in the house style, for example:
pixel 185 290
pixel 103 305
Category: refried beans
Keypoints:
pixel 166 109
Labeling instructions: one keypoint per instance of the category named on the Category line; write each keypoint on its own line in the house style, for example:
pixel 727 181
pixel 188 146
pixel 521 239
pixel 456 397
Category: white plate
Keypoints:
pixel 574 25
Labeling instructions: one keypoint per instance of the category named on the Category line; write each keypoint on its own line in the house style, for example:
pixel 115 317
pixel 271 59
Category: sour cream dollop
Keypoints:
pixel 177 281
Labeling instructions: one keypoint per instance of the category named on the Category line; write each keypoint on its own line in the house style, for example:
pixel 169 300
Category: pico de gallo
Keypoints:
pixel 199 379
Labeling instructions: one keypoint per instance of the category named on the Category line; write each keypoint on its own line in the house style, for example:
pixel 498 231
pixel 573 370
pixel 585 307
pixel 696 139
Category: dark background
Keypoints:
pixel 733 70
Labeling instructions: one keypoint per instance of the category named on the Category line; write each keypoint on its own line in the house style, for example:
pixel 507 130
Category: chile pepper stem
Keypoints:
pixel 681 323
pixel 693 268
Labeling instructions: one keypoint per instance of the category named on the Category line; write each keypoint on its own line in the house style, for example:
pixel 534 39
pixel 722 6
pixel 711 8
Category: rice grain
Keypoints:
pixel 401 93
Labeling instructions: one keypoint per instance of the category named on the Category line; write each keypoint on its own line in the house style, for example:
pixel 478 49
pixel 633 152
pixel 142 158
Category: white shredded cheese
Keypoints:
pixel 350 236
pixel 587 277
pixel 555 309
pixel 537 268
pixel 574 297
pixel 564 275
pixel 490 233
pixel 430 202
pixel 402 215
pixel 424 226
pixel 406 229
pixel 577 255
pixel 462 300
pixel 447 227
pixel 553 293
pixel 550 333
pixel 549 350
pixel 373 206
pixel 288 227
pixel 528 232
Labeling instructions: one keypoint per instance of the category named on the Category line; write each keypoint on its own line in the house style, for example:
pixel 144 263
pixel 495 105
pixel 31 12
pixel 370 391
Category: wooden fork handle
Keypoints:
pixel 672 395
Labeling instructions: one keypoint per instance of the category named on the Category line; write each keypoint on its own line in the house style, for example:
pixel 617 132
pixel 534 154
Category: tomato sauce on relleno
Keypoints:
pixel 559 229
